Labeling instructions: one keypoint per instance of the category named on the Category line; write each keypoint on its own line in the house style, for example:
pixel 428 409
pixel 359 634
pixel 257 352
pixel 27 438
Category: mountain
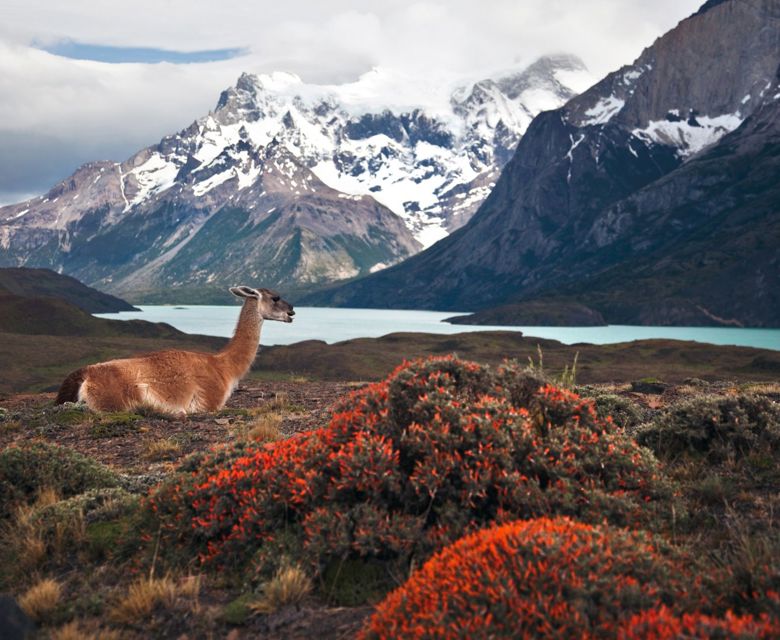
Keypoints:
pixel 652 197
pixel 288 184
pixel 44 283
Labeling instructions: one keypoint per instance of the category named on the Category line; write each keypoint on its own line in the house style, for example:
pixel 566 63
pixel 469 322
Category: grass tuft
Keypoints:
pixel 289 586
pixel 265 428
pixel 41 599
pixel 142 597
pixel 146 594
pixel 162 449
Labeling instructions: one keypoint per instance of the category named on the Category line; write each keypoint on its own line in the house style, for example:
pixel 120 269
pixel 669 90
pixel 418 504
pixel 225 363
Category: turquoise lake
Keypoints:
pixel 335 325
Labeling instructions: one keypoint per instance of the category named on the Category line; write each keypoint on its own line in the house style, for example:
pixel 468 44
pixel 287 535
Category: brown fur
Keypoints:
pixel 69 389
pixel 178 382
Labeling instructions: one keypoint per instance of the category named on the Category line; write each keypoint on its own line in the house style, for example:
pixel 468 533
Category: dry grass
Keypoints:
pixel 73 631
pixel 145 595
pixel 289 586
pixel 28 543
pixel 41 599
pixel 162 449
pixel 47 497
pixel 280 402
pixel 25 543
pixel 265 428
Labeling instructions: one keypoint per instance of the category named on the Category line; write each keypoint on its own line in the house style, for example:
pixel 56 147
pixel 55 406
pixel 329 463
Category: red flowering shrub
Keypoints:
pixel 410 464
pixel 663 624
pixel 543 578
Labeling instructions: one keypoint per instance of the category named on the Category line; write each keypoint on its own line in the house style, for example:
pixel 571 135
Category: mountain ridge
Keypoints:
pixel 557 203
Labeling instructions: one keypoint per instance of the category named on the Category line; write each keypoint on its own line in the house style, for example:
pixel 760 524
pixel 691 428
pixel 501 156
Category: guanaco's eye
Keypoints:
pixel 276 298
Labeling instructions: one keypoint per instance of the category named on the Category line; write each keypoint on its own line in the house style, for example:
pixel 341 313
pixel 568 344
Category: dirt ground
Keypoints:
pixel 301 406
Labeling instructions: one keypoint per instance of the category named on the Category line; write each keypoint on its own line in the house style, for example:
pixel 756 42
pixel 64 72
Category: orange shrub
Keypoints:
pixel 543 578
pixel 410 464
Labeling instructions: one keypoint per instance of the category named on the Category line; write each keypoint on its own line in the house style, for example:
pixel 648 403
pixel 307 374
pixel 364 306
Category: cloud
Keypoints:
pixel 57 112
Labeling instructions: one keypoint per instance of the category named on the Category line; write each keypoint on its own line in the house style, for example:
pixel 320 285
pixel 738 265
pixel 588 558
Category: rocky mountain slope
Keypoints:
pixel 652 196
pixel 290 184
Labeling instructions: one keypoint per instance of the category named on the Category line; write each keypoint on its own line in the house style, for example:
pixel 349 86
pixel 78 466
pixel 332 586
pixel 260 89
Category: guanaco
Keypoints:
pixel 179 382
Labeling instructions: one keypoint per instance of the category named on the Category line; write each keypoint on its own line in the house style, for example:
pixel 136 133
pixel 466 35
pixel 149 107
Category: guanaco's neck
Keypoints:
pixel 240 352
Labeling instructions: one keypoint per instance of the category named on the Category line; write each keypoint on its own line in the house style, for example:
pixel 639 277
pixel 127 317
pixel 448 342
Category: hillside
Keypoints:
pixel 36 283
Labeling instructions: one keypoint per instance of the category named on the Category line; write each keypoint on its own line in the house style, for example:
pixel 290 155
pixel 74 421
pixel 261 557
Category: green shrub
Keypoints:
pixel 94 505
pixel 717 428
pixel 624 411
pixel 408 465
pixel 27 469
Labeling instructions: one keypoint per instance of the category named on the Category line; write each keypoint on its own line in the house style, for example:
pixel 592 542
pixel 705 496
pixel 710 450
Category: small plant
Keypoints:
pixel 289 586
pixel 567 378
pixel 544 578
pixel 41 599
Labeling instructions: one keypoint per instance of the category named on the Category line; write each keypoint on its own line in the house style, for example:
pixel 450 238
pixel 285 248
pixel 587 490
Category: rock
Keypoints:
pixel 653 387
pixel 14 623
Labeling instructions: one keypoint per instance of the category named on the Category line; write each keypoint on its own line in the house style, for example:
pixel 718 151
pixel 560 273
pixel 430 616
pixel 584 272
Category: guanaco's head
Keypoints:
pixel 270 304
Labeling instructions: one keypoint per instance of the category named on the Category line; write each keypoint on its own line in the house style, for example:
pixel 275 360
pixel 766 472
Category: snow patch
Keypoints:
pixel 629 77
pixel 153 176
pixel 570 154
pixel 202 188
pixel 604 110
pixel 689 139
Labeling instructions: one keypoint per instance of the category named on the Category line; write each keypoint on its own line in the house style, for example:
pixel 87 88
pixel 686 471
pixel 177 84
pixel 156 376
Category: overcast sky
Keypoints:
pixel 57 112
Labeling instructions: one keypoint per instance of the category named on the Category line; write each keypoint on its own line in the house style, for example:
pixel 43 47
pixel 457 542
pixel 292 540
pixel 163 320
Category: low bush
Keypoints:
pixel 718 428
pixel 543 578
pixel 27 469
pixel 408 465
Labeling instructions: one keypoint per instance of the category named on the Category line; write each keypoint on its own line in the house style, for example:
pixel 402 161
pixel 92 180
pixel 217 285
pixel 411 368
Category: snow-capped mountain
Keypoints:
pixel 431 158
pixel 651 196
pixel 381 167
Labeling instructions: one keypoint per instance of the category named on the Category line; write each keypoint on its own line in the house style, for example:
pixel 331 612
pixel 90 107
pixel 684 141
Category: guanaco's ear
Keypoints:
pixel 244 292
